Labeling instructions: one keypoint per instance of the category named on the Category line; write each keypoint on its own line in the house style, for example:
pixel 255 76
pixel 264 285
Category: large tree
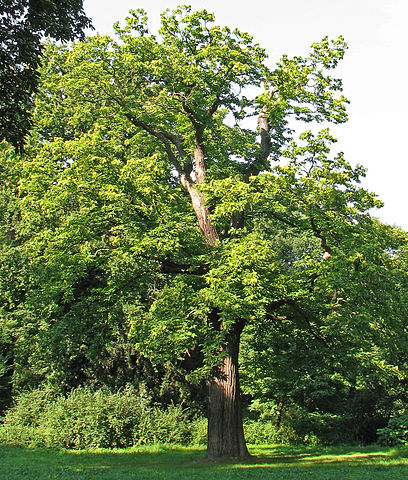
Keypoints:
pixel 23 25
pixel 190 245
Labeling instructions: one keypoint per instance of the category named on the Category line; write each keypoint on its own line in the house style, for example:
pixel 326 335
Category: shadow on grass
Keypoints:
pixel 286 454
pixel 345 462
pixel 167 462
pixel 156 456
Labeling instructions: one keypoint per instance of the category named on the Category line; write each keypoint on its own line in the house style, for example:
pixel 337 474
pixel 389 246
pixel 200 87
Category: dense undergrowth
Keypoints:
pixel 87 418
pixel 101 419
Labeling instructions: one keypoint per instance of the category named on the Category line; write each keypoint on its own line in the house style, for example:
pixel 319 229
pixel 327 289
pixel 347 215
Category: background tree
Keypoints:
pixel 12 272
pixel 333 378
pixel 23 24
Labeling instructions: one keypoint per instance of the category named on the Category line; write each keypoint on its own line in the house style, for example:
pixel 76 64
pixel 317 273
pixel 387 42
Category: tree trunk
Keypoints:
pixel 279 414
pixel 202 212
pixel 225 429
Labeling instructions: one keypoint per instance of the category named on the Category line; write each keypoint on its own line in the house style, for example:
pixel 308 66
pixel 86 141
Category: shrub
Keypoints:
pixel 198 429
pixel 258 432
pixel 22 422
pixel 396 432
pixel 86 419
pixel 163 426
pixel 93 419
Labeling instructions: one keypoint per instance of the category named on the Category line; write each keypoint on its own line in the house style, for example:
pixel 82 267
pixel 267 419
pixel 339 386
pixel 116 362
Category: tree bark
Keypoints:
pixel 264 131
pixel 279 414
pixel 225 429
pixel 201 210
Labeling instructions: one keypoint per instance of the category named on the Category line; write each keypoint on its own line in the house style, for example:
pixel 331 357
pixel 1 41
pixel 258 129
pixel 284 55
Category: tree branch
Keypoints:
pixel 323 243
pixel 168 266
pixel 167 139
pixel 295 307
pixel 318 337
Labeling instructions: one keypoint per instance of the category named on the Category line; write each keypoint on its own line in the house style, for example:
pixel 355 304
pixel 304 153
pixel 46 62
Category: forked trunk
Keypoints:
pixel 225 430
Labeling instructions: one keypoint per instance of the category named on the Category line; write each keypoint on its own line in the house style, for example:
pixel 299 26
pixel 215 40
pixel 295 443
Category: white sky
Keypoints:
pixel 374 71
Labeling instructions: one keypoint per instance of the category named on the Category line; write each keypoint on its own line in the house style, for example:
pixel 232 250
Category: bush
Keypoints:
pixel 22 422
pixel 93 419
pixel 396 432
pixel 163 426
pixel 86 419
pixel 198 429
pixel 312 428
pixel 258 432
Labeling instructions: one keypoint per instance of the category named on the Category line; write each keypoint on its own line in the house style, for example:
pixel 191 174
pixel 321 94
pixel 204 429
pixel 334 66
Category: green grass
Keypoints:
pixel 170 463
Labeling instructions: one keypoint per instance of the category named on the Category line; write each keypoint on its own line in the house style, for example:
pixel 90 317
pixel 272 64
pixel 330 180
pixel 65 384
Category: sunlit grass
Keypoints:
pixel 171 463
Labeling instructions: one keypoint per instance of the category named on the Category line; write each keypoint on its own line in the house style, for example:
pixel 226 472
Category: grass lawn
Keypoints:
pixel 170 463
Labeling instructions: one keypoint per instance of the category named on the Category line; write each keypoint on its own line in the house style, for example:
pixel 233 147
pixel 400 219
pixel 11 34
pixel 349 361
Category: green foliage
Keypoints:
pixel 258 432
pixel 87 419
pixel 22 421
pixel 13 268
pixel 23 24
pixel 95 419
pixel 106 277
pixel 101 209
pixel 164 426
pixel 299 425
pixel 396 432
pixel 198 429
